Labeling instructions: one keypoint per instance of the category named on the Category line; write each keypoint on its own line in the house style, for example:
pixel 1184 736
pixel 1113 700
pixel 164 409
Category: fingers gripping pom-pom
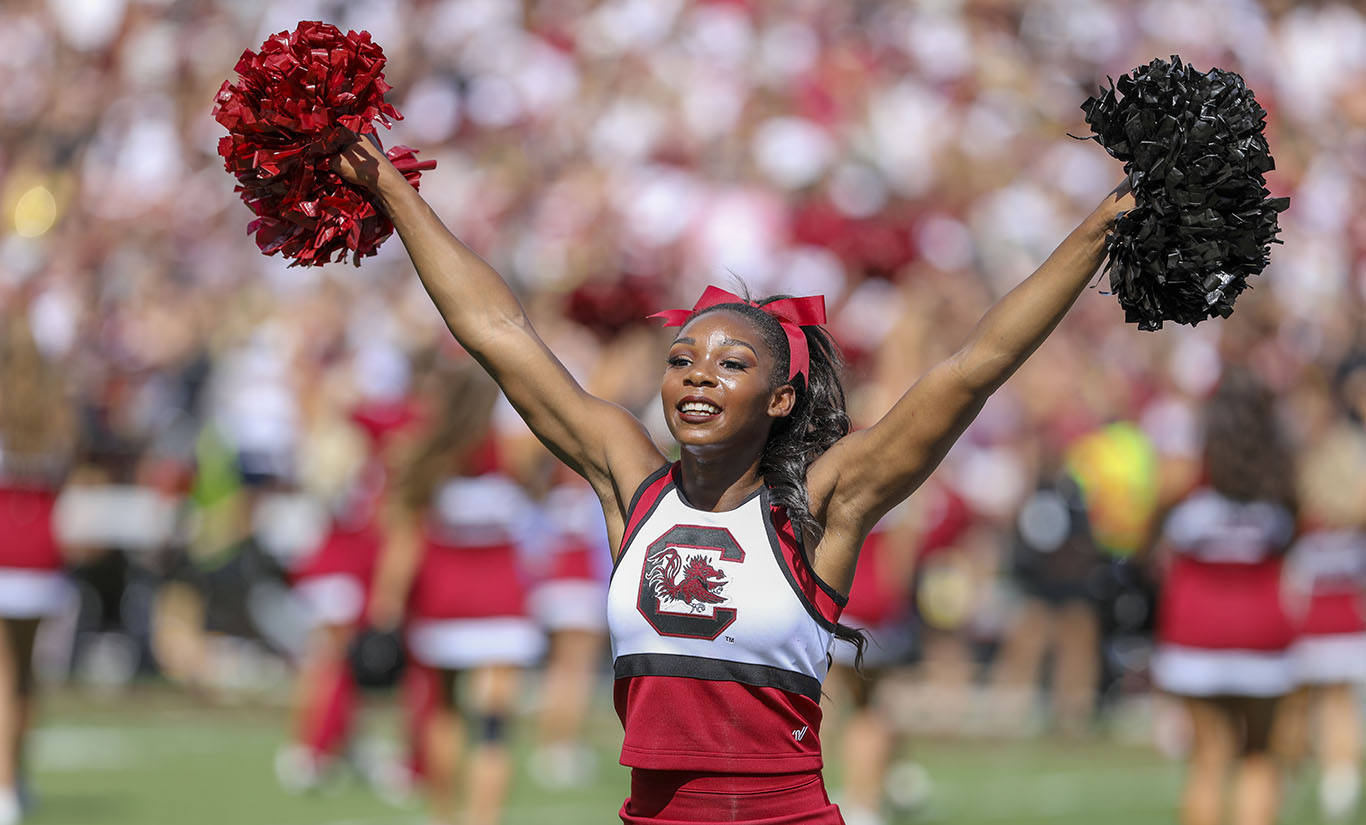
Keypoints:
pixel 1195 154
pixel 298 102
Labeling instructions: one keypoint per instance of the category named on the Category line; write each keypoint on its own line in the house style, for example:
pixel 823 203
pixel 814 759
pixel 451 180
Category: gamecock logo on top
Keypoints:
pixel 682 583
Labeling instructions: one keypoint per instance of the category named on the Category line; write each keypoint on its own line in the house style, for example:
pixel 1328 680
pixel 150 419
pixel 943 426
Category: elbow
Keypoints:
pixel 490 332
pixel 981 373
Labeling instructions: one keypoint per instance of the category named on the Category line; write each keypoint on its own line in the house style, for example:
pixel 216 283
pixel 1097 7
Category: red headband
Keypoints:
pixel 792 315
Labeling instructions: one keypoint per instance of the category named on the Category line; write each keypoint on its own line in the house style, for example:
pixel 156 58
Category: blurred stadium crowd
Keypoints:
pixel 909 161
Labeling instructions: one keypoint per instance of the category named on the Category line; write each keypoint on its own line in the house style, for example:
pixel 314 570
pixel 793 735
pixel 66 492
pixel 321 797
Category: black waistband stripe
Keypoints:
pixel 716 670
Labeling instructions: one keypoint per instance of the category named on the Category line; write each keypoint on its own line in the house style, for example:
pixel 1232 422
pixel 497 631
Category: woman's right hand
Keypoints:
pixel 364 164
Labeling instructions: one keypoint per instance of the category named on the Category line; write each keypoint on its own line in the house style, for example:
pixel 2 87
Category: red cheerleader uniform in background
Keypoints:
pixel 1326 570
pixel 334 580
pixel 1222 629
pixel 878 605
pixel 468 604
pixel 572 592
pixel 31 583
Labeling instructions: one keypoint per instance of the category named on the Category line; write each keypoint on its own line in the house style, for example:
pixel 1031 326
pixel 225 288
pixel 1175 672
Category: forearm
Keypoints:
pixel 471 296
pixel 1019 322
pixel 394 572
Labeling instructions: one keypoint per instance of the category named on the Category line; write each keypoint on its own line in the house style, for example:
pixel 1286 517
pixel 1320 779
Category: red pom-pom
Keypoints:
pixel 299 102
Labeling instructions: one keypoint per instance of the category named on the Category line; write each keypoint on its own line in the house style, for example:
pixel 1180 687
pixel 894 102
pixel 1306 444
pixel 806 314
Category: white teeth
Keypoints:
pixel 699 407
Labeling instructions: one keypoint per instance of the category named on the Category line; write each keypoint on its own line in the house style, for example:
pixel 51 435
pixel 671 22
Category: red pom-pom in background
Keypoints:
pixel 297 103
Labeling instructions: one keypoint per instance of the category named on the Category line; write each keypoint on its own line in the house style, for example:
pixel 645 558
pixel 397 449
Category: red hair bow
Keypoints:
pixel 792 315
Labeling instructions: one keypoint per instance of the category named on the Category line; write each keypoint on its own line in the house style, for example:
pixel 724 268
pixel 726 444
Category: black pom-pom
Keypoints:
pixel 1193 148
pixel 377 658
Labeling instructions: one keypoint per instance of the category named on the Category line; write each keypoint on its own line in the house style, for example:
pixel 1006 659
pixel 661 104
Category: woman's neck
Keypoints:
pixel 718 482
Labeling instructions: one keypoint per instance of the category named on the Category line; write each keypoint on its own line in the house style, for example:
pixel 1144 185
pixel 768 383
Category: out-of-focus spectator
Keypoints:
pixel 1059 569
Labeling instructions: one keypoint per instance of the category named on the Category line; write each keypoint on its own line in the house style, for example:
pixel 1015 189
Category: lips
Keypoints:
pixel 697 410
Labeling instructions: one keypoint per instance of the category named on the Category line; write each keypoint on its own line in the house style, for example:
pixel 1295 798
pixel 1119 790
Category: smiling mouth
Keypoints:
pixel 695 412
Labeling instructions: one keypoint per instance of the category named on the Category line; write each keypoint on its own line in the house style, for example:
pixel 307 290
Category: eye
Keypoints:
pixel 732 364
pixel 678 361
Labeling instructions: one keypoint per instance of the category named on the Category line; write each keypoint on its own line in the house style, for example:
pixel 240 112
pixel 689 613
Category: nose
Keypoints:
pixel 699 375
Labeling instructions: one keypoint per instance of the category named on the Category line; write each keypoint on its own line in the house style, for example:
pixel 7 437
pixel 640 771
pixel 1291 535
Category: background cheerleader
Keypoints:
pixel 1223 635
pixel 1326 592
pixel 334 580
pixel 569 600
pixel 451 563
pixel 869 739
pixel 37 441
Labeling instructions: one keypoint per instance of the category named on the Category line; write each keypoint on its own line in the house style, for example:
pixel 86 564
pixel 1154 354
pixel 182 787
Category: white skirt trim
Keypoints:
pixel 570 604
pixel 1330 659
pixel 32 594
pixel 456 644
pixel 332 598
pixel 1191 671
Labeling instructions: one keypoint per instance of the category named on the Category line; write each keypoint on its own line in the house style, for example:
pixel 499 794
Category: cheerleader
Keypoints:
pixel 1326 594
pixel 451 564
pixel 333 582
pixel 37 434
pixel 879 606
pixel 949 588
pixel 1223 635
pixel 570 603
pixel 731 564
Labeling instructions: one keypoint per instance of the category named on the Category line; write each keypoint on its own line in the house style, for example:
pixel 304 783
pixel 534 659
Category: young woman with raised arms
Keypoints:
pixel 732 563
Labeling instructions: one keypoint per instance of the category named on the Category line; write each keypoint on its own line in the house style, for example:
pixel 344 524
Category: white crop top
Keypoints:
pixel 720 636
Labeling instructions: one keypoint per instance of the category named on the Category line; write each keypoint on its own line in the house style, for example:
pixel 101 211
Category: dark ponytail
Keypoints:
pixel 818 419
pixel 1248 456
pixel 463 403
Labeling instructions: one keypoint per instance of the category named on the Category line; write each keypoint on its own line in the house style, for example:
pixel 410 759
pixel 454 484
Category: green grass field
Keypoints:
pixel 159 758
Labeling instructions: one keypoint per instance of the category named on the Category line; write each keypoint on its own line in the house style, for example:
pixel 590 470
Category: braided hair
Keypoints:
pixel 818 419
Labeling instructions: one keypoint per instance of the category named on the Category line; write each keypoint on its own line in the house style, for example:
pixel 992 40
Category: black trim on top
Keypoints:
pixel 640 491
pixel 716 670
pixel 635 500
pixel 842 601
pixel 773 542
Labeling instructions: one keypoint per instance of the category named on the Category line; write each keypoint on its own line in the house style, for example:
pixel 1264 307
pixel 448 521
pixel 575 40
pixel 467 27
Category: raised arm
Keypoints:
pixel 597 439
pixel 865 474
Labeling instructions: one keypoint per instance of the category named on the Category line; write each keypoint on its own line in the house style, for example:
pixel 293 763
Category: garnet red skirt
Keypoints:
pixel 1331 648
pixel 334 581
pixel 572 596
pixel 31 583
pixel 1222 630
pixel 679 797
pixel 468 608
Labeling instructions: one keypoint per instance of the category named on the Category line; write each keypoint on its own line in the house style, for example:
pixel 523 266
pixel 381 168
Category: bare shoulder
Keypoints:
pixel 632 458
